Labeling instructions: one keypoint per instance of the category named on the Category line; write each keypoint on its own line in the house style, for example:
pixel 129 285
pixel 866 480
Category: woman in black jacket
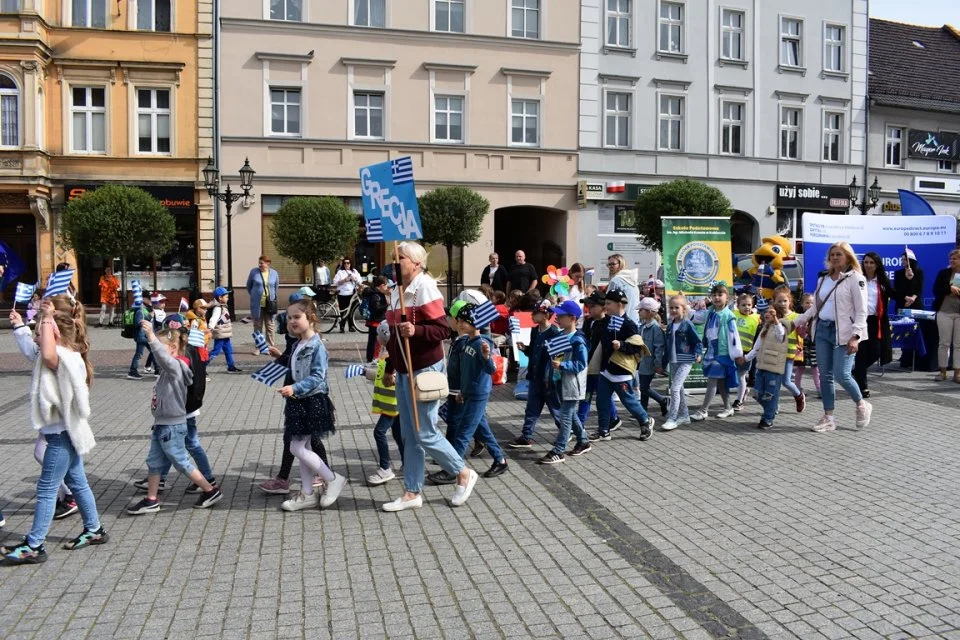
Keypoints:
pixel 946 302
pixel 908 294
pixel 876 344
pixel 376 299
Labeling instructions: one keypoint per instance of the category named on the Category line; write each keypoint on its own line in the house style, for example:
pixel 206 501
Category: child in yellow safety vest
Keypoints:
pixel 384 404
pixel 783 300
pixel 748 325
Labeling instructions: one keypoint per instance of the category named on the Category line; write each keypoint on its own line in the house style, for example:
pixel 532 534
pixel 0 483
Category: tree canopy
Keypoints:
pixel 452 217
pixel 311 230
pixel 684 198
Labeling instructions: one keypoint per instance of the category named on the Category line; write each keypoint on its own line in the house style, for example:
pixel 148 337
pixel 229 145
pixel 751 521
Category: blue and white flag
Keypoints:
pixel 615 323
pixel 444 411
pixel 137 293
pixel 682 275
pixel 374 230
pixel 514 324
pixel 196 338
pixel 261 343
pixel 270 374
pixel 58 283
pixel 556 346
pixel 24 292
pixel 484 314
pixel 390 197
pixel 354 371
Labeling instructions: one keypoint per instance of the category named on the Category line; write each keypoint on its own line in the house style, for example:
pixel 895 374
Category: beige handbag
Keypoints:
pixel 431 386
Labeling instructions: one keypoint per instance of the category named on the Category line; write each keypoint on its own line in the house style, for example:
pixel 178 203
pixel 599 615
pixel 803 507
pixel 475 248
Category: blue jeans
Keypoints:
pixel 454 412
pixel 222 344
pixel 646 392
pixel 835 365
pixel 788 380
pixel 536 400
pixel 767 386
pixel 384 424
pixel 135 363
pixel 416 444
pixel 61 463
pixel 624 390
pixel 168 444
pixel 584 409
pixel 196 451
pixel 472 420
pixel 567 410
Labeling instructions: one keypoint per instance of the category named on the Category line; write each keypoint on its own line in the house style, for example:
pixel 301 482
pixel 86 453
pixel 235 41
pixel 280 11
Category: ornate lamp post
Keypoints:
pixel 871 199
pixel 211 180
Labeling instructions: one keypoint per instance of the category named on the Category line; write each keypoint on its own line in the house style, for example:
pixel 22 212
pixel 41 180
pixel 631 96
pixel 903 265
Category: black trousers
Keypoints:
pixel 343 303
pixel 868 352
pixel 286 462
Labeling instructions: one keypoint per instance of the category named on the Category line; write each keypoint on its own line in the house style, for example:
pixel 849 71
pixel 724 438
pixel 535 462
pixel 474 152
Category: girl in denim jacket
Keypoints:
pixel 684 348
pixel 308 410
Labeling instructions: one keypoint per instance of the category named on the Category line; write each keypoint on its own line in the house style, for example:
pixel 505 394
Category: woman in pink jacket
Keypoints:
pixel 837 322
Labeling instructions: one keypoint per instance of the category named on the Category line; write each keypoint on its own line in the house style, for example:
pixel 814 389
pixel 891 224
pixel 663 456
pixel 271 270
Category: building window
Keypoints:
pixel 893 154
pixel 291 10
pixel 525 122
pixel 671 27
pixel 790 130
pixel 731 35
pixel 618 23
pixel 9 112
pixel 731 142
pixel 153 120
pixel 9 6
pixel 448 15
pixel 832 134
pixel 946 166
pixel 833 39
pixel 370 13
pixel 153 15
pixel 285 112
pixel 617 117
pixel 89 13
pixel 671 123
pixel 88 115
pixel 448 119
pixel 368 115
pixel 791 42
pixel 525 18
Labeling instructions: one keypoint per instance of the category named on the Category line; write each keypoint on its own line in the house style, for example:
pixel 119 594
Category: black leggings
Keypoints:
pixel 371 342
pixel 286 463
pixel 343 303
pixel 868 352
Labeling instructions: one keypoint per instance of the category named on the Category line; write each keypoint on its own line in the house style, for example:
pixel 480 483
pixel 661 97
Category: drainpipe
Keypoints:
pixel 216 137
pixel 866 115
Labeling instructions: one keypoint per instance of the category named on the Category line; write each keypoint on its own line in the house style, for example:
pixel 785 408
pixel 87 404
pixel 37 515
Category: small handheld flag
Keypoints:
pixel 514 324
pixel 137 293
pixel 24 292
pixel 354 371
pixel 184 305
pixel 484 314
pixel 444 411
pixel 59 283
pixel 196 338
pixel 556 346
pixel 261 343
pixel 270 374
pixel 615 323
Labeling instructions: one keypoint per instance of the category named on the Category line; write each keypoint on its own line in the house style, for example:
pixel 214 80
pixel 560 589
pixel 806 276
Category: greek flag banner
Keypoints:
pixel 389 196
pixel 196 338
pixel 514 324
pixel 615 323
pixel 484 314
pixel 374 230
pixel 556 346
pixel 354 371
pixel 137 293
pixel 270 374
pixel 24 292
pixel 261 343
pixel 58 283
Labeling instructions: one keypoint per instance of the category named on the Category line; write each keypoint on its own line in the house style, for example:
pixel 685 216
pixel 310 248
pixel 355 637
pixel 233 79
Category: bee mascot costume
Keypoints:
pixel 766 274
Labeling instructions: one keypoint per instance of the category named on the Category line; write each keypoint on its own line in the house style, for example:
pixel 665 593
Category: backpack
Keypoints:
pixel 129 329
pixel 196 390
pixel 365 311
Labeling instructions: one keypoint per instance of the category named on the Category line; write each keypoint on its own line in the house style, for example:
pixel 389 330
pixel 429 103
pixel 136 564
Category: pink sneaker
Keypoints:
pixel 864 412
pixel 826 423
pixel 275 486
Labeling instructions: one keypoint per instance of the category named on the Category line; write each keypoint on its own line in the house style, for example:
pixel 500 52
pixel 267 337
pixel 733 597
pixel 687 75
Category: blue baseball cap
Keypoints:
pixel 296 296
pixel 219 291
pixel 568 308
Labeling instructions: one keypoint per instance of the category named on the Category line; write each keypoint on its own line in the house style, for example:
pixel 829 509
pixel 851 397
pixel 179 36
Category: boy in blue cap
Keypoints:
pixel 567 384
pixel 221 326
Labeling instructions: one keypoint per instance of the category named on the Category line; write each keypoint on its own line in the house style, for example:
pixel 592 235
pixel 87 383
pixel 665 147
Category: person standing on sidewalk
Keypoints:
pixel 346 280
pixel 946 292
pixel 877 344
pixel 262 284
pixel 109 297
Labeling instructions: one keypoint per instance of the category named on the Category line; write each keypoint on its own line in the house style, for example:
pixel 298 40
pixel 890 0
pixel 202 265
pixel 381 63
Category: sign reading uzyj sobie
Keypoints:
pixel 933 145
pixel 813 197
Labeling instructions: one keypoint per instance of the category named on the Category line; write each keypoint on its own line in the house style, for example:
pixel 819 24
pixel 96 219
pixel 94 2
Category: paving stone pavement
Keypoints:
pixel 715 530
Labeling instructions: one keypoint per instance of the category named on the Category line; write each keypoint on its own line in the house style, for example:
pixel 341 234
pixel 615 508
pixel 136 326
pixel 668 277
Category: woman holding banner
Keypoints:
pixel 419 336
pixel 837 323
pixel 946 302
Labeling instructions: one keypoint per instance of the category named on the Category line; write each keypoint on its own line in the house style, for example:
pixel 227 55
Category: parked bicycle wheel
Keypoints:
pixel 357 320
pixel 328 316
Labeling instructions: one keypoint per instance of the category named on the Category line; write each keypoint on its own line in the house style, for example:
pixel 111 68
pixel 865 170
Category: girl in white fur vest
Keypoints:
pixel 59 410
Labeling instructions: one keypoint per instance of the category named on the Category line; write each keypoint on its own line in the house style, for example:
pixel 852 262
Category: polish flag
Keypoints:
pixel 616 187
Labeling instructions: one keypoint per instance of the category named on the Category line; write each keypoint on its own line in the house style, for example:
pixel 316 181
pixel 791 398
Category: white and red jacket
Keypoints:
pixel 424 306
pixel 850 299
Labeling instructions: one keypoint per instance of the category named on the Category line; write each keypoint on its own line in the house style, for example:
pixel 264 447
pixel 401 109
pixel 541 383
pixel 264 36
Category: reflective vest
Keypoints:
pixel 384 397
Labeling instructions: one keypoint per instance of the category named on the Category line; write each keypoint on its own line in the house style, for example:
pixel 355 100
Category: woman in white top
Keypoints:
pixel 875 345
pixel 346 280
pixel 838 321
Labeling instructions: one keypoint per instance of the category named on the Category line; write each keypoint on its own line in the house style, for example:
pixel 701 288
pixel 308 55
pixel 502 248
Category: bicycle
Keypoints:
pixel 329 317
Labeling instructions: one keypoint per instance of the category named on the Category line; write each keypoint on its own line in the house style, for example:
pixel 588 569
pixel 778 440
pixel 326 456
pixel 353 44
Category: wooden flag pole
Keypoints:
pixel 406 340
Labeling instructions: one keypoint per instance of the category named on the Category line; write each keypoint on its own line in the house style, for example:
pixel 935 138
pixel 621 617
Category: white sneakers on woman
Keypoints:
pixel 864 412
pixel 827 423
pixel 463 491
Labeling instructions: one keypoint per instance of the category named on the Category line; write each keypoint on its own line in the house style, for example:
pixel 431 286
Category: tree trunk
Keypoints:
pixel 449 273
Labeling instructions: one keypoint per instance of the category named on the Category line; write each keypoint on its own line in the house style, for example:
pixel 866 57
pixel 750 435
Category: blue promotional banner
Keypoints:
pixel 931 238
pixel 390 209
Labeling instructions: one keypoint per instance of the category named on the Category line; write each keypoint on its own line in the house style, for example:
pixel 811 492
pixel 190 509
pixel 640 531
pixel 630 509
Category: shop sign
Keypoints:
pixel 813 196
pixel 890 206
pixel 624 219
pixel 176 199
pixel 933 145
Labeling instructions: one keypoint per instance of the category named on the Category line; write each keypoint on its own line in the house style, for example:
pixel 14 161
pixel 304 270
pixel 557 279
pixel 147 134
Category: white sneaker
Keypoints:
pixel 726 413
pixel 300 501
pixel 699 416
pixel 669 425
pixel 864 412
pixel 463 492
pixel 827 423
pixel 402 505
pixel 380 476
pixel 334 487
pixel 148 369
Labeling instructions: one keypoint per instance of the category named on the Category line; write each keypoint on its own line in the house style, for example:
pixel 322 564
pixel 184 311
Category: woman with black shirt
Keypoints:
pixel 876 344
pixel 908 294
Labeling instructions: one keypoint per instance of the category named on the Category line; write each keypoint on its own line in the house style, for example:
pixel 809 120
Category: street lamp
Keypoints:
pixel 872 196
pixel 211 180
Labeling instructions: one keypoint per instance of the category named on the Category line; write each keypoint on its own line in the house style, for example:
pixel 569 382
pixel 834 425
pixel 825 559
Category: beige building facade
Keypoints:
pixel 478 94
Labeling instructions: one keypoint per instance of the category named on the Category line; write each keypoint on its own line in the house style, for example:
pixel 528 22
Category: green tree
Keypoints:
pixel 312 230
pixel 117 220
pixel 452 217
pixel 683 198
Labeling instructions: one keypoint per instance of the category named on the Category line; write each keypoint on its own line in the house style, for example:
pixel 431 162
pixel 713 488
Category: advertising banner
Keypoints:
pixel 931 238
